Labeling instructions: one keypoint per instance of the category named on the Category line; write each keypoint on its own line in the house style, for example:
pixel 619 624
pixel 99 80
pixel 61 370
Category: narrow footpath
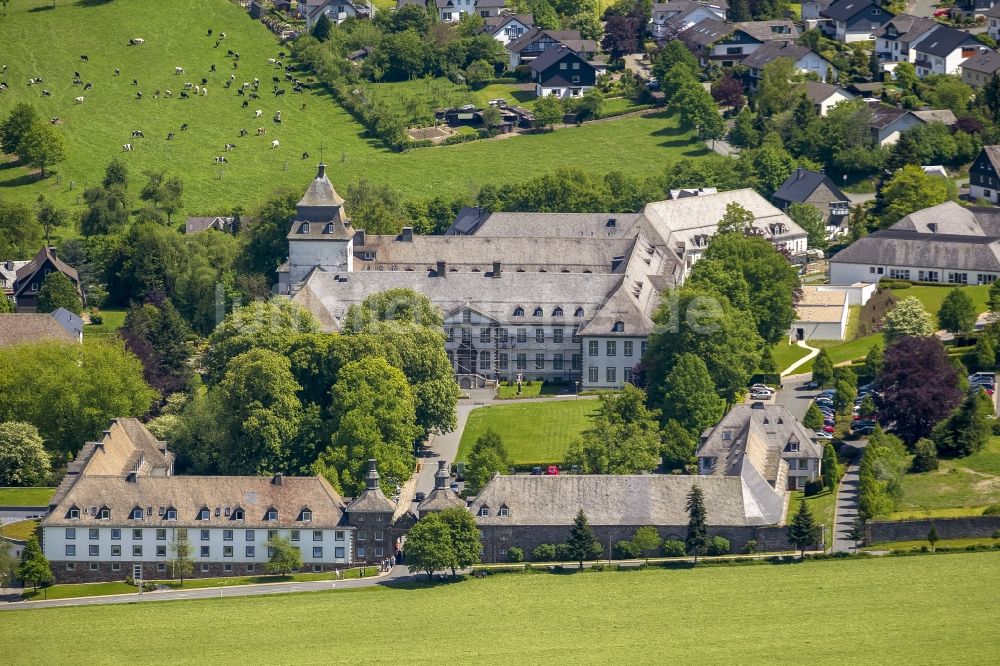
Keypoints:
pixel 813 352
pixel 845 512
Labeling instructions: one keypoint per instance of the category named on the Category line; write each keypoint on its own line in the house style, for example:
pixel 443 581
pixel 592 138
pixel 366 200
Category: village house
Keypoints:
pixel 195 225
pixel 8 276
pixel 825 96
pixel 806 61
pixel 817 189
pixel 26 327
pixel 947 243
pixel 978 70
pixel 895 40
pixel 984 175
pixel 943 49
pixel 30 276
pixel 768 438
pixel 507 28
pixel 820 314
pixel 887 123
pixel 993 22
pixel 722 44
pixel 562 73
pixel 536 41
pixel 854 20
pixel 812 11
pixel 670 18
pixel 337 11
pixel 574 307
pixel 451 11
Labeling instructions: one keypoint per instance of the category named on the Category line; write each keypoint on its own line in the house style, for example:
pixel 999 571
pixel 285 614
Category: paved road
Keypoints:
pixel 921 7
pixel 12 515
pixel 846 510
pixel 398 574
pixel 794 395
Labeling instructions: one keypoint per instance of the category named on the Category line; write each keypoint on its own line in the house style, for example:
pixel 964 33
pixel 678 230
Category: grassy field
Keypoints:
pixel 933 297
pixel 933 609
pixel 535 432
pixel 962 487
pixel 175 35
pixel 785 354
pixel 821 505
pixel 26 496
pixel 942 543
pixel 113 320
pixel 22 529
pixel 533 390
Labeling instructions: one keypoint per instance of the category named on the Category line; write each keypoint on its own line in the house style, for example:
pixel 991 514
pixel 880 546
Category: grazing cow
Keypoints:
pixel 138 94
pixel 271 61
pixel 305 156
pixel 84 58
pixel 245 104
pixel 243 131
pixel 76 75
pixel 230 146
pixel 277 116
pixel 136 41
pixel 204 91
pixel 178 70
pixel 77 82
pixel 261 130
pixel 232 77
pixel 220 160
pixel 170 136
pixel 137 133
pixel 54 120
pixel 135 82
pixel 228 83
pixel 258 113
pixel 46 93
pixel 281 54
pixel 212 68
pixel 126 147
pixel 236 55
pixel 254 95
pixel 288 77
pixel 217 43
pixel 197 89
pixel 187 86
pixel 79 100
pixel 229 52
pixel 246 84
pixel 275 80
pixel 184 126
pixel 184 94
pixel 167 93
pixel 209 33
pixel 256 82
pixel 239 92
pixel 156 93
pixel 274 144
pixel 204 81
pixel 222 35
pixel 89 86
pixel 279 92
pixel 118 72
pixel 236 65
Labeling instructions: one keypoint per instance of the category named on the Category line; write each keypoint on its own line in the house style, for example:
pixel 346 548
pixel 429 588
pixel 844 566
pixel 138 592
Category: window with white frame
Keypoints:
pixel 612 347
pixel 593 348
pixel 610 375
pixel 593 375
pixel 70 533
pixel 71 550
pixel 206 551
pixel 94 534
pixel 136 550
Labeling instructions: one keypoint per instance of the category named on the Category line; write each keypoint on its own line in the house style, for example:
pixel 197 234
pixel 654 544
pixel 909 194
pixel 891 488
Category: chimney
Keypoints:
pixel 371 481
pixel 442 269
pixel 321 171
pixel 10 265
pixel 359 237
pixel 52 251
pixel 406 235
pixel 496 269
pixel 277 479
pixel 441 476
pixel 799 173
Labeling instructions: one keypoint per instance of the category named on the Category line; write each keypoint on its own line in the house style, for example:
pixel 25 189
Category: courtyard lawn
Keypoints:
pixel 535 432
pixel 95 130
pixel 932 297
pixel 930 609
pixel 113 320
pixel 785 354
pixel 533 390
pixel 26 496
pixel 842 352
pixel 22 530
pixel 821 506
pixel 964 486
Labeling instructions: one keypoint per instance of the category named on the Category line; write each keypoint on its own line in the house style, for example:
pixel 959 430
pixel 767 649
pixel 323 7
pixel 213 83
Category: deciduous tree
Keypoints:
pixel 919 386
pixel 464 537
pixel 284 558
pixel 624 439
pixel 16 126
pixel 23 458
pixel 58 292
pixel 811 219
pixel 908 319
pixel 429 547
pixel 548 111
pixel 488 457
pixel 958 313
pixel 34 568
pixel 42 146
pixel 181 562
pixel 910 190
pixel 647 540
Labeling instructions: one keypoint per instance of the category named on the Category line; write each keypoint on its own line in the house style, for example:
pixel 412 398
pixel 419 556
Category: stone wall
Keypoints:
pixel 528 537
pixel 93 572
pixel 916 530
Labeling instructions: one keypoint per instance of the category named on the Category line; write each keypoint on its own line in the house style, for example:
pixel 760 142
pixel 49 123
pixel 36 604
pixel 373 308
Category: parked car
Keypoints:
pixel 761 395
pixel 536 471
pixel 823 435
pixel 982 376
pixel 863 430
pixel 828 428
pixel 812 385
pixel 552 470
pixel 761 387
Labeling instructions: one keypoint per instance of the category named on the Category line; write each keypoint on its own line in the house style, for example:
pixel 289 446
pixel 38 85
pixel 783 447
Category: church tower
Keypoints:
pixel 321 235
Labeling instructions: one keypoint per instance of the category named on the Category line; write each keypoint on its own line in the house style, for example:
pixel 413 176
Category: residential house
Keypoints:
pixel 671 18
pixel 768 438
pixel 943 50
pixel 194 225
pixel 980 69
pixel 71 322
pixel 507 28
pixel 820 314
pixel 537 41
pixel 451 11
pixel 30 277
pixel 887 123
pixel 854 20
pixel 825 96
pixel 562 73
pixel 8 276
pixel 715 42
pixel 984 175
pixel 947 243
pixel 805 59
pixel 971 8
pixel 25 327
pixel 337 11
pixel 943 116
pixel 993 22
pixel 817 189
pixel 895 40
pixel 812 11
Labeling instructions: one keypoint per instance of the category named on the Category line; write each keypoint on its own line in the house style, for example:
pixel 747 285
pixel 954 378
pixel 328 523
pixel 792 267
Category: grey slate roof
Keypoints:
pixel 943 40
pixel 802 183
pixel 892 247
pixel 594 225
pixel 706 32
pixel 764 30
pixel 71 323
pixel 653 499
pixel 883 116
pixel 993 155
pixel 908 27
pixel 550 57
pixel 568 38
pixel 23 328
pixel 845 10
pixel 987 62
pixel 769 427
pixel 952 218
pixel 773 50
pixel 945 116
pixel 195 224
pixel 321 192
pixel 817 91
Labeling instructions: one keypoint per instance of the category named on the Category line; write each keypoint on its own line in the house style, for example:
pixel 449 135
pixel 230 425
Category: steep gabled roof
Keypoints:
pixel 18 329
pixel 986 62
pixel 802 183
pixel 765 30
pixel 943 40
pixel 773 50
pixel 845 10
pixel 29 269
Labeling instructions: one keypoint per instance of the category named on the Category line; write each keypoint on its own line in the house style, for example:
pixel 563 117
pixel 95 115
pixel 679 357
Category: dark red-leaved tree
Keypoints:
pixel 919 386
pixel 728 91
pixel 621 36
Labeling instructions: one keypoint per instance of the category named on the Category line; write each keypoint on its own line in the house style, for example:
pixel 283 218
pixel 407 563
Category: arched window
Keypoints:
pixel 578 313
pixel 619 327
pixel 558 312
pixel 518 311
pixel 537 312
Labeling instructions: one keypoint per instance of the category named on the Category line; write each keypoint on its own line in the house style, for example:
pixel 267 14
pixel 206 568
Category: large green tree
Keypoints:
pixel 908 318
pixel 624 438
pixel 164 192
pixel 464 537
pixel 811 219
pixel 20 232
pixel 968 429
pixel 803 532
pixel 16 126
pixel 582 544
pixel 283 557
pixel 155 332
pixel 266 243
pixel 34 568
pixel 42 146
pixel 489 456
pixel 23 458
pixel 548 111
pixel 70 392
pixel 958 313
pixel 58 291
pixel 911 189
pixel 689 396
pixel 429 546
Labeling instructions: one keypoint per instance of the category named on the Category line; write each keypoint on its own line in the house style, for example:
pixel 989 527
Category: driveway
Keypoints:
pixel 794 395
pixel 846 508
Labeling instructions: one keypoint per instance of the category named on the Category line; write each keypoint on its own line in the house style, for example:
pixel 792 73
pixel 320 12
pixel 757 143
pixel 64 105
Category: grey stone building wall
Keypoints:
pixel 947 528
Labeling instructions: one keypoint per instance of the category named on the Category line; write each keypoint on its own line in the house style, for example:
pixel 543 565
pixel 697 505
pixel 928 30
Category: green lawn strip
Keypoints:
pixel 933 296
pixel 21 530
pixel 76 591
pixel 533 390
pixel 965 485
pixel 821 505
pixel 933 609
pixel 536 432
pixel 95 130
pixel 942 543
pixel 841 352
pixel 785 354
pixel 26 496
pixel 113 320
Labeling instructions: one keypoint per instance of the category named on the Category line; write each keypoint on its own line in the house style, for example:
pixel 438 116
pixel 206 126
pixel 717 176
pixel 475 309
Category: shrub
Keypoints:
pixel 674 548
pixel 751 547
pixel 992 510
pixel 96 319
pixel 996 534
pixel 926 459
pixel 562 552
pixel 626 550
pixel 814 487
pixel 718 546
pixel 544 553
pixel 515 554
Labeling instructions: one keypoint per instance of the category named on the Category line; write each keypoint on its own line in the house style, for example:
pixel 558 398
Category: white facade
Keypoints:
pixel 453 11
pixel 609 361
pixel 660 17
pixel 927 64
pixel 845 273
pixel 330 255
pixel 993 28
pixel 836 97
pixel 562 92
pixel 511 31
pixel 151 546
pixel 991 194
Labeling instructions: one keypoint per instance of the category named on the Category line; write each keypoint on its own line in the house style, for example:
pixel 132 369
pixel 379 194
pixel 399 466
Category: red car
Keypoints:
pixel 944 11
pixel 552 470
pixel 828 428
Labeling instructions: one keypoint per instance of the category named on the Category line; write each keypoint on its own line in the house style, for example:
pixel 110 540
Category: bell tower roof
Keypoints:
pixel 320 193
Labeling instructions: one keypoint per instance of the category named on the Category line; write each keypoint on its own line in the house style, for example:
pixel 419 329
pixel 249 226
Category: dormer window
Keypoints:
pixel 306 515
pixel 328 229
pixel 484 511
pixel 272 514
pixel 558 312
pixel 793 447
pixel 136 513
pixel 104 513
pixel 518 311
pixel 537 312
pixel 304 229
pixel 727 436
pixel 204 514
pixel 237 514
pixel 170 513
pixel 504 512
pixel 73 513
pixel 619 327
pixel 578 313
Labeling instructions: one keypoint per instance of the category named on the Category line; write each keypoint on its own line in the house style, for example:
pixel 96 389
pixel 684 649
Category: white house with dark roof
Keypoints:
pixel 984 175
pixel 854 20
pixel 947 243
pixel 943 50
pixel 766 438
pixel 895 40
pixel 726 44
pixel 507 28
pixel 806 61
pixel 337 11
pixel 825 96
pixel 670 18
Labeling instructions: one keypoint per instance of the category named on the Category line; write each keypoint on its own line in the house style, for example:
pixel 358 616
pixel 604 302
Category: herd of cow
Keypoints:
pixel 248 88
